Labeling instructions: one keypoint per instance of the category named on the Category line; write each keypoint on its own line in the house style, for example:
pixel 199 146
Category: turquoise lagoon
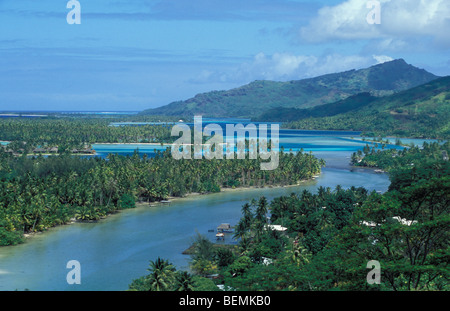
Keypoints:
pixel 290 140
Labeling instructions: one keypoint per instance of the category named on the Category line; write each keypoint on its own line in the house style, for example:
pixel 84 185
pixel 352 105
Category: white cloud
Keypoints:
pixel 333 63
pixel 277 66
pixel 288 66
pixel 401 20
pixel 346 20
pixel 382 58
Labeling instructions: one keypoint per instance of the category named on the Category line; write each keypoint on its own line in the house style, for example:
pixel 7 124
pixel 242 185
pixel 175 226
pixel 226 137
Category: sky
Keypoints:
pixel 131 55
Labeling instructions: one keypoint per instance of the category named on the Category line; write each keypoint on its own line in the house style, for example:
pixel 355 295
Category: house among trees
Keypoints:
pixel 39 150
pixel 46 150
pixel 277 228
pixel 87 150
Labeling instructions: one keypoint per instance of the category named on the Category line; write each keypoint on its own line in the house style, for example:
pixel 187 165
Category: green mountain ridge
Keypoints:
pixel 422 111
pixel 253 99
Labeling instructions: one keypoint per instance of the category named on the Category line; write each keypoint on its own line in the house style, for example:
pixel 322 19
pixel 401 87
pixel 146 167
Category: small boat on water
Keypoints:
pixel 224 228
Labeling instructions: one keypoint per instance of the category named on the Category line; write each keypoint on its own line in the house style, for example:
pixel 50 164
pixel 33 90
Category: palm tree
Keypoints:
pixel 244 245
pixel 261 210
pixel 260 217
pixel 241 229
pixel 300 255
pixel 204 248
pixel 247 216
pixel 162 275
pixel 184 282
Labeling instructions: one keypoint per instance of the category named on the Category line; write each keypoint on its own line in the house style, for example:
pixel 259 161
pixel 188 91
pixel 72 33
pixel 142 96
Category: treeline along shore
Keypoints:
pixel 69 134
pixel 37 193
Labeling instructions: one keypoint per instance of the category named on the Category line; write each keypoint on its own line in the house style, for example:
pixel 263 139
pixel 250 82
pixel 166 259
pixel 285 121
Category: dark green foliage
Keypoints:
pixel 225 257
pixel 240 266
pixel 8 237
pixel 270 245
pixel 203 249
pixel 333 234
pixel 423 112
pixel 352 103
pixel 127 201
pixel 162 277
pixel 72 133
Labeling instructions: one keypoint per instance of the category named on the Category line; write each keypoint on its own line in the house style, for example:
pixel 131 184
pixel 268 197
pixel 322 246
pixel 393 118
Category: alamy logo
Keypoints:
pixel 74 16
pixel 374 275
pixel 214 147
pixel 374 16
pixel 74 275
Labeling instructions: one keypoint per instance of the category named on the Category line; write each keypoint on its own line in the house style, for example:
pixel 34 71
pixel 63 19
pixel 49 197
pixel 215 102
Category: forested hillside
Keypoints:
pixel 423 111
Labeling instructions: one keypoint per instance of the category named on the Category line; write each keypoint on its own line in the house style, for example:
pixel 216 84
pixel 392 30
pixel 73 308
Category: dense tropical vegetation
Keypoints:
pixel 75 132
pixel 332 234
pixel 423 111
pixel 37 193
pixel 163 276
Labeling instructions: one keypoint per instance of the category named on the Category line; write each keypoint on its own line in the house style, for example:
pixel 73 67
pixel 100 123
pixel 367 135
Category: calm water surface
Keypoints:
pixel 117 250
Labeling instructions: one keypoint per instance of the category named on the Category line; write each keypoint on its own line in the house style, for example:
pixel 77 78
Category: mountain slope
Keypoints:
pixel 351 103
pixel 251 100
pixel 422 111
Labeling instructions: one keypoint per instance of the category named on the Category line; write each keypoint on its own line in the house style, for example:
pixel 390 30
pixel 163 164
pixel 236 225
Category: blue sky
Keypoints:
pixel 137 54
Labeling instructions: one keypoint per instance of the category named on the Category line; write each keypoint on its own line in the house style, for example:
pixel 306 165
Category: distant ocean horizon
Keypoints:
pixel 39 114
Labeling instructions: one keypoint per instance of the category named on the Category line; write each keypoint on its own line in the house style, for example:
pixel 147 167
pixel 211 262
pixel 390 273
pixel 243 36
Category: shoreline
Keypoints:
pixel 31 235
pixel 58 154
pixel 197 194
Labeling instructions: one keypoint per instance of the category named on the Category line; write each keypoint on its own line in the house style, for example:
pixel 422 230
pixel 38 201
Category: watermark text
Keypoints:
pixel 234 145
pixel 374 16
pixel 74 275
pixel 74 15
